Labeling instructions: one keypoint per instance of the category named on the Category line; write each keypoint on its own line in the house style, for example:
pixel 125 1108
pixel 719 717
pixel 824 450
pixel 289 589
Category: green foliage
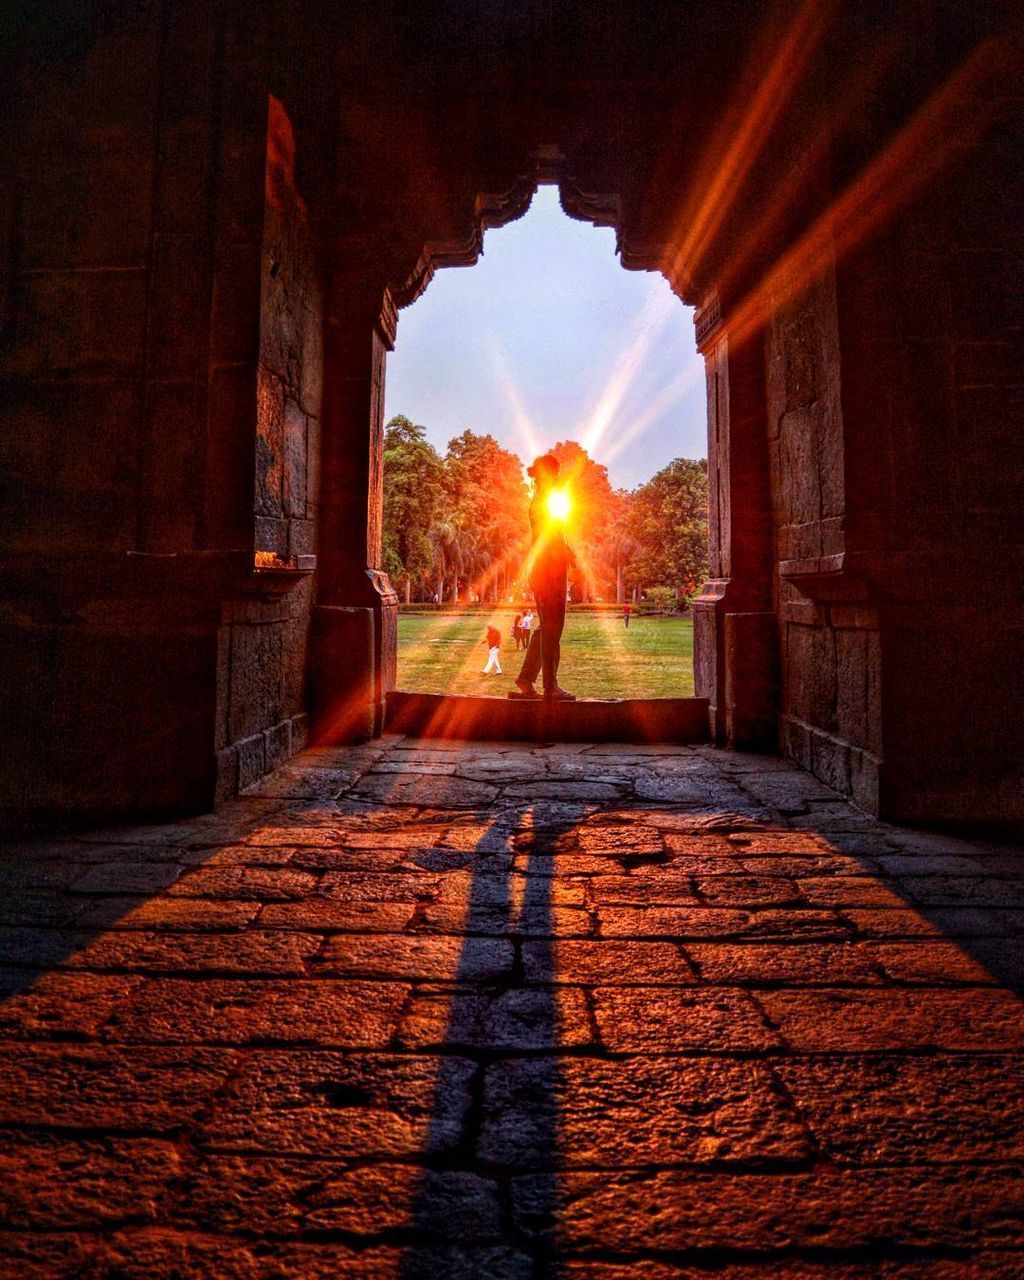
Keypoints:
pixel 662 599
pixel 452 522
pixel 668 523
pixel 456 527
pixel 487 500
pixel 413 499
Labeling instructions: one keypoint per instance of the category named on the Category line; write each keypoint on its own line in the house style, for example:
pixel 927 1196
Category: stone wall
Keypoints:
pixel 149 667
pixel 262 709
pixel 830 650
pixel 940 469
pixel 107 654
pixel 168 459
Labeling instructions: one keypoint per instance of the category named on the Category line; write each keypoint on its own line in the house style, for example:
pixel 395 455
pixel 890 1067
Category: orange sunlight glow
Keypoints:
pixel 741 138
pixel 559 504
pixel 941 128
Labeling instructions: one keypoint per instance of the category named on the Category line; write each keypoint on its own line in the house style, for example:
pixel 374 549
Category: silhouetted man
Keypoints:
pixel 550 558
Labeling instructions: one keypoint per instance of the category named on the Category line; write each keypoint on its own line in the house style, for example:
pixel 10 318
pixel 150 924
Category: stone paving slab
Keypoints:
pixel 497 1011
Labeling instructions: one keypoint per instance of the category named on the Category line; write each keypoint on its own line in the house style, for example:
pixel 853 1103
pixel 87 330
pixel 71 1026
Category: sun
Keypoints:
pixel 559 504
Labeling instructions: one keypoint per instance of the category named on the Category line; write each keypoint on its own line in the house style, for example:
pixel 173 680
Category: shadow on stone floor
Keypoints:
pixel 515 1012
pixel 508 1028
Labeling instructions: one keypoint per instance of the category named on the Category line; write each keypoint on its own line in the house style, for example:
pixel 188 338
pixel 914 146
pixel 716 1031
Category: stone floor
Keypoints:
pixel 491 1011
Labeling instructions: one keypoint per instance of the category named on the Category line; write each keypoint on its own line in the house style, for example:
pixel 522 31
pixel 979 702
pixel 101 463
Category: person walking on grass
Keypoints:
pixel 627 609
pixel 516 632
pixel 550 557
pixel 493 643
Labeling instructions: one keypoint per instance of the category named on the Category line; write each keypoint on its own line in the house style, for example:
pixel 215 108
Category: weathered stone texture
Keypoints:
pixel 491 1047
pixel 202 264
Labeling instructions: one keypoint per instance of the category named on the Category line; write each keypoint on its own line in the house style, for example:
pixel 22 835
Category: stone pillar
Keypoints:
pixel 355 627
pixel 933 411
pixel 735 624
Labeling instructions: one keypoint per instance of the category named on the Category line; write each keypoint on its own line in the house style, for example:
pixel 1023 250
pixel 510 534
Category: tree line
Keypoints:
pixel 456 528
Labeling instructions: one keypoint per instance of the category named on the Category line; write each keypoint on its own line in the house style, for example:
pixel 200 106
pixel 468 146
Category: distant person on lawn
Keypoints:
pixel 493 643
pixel 627 609
pixel 550 558
pixel 516 632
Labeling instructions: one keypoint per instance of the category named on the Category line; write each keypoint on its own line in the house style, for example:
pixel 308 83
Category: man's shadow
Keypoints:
pixel 509 1028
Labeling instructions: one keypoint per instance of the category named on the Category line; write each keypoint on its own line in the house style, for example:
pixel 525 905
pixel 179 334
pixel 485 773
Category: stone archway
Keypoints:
pixel 738 677
pixel 836 205
pixel 792 627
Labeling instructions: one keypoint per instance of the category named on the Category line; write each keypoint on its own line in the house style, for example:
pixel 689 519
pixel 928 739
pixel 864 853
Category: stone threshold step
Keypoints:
pixel 436 715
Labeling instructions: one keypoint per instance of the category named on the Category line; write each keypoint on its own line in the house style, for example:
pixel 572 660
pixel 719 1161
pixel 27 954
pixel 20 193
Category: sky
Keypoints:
pixel 548 338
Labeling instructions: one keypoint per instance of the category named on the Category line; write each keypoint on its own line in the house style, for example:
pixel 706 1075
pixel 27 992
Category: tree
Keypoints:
pixel 487 502
pixel 413 497
pixel 455 556
pixel 459 523
pixel 618 545
pixel 668 520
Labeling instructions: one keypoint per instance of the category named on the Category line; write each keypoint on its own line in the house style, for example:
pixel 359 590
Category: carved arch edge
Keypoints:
pixel 497 209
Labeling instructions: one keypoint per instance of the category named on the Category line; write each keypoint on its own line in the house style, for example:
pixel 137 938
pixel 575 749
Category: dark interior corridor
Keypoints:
pixel 203 262
pixel 291 996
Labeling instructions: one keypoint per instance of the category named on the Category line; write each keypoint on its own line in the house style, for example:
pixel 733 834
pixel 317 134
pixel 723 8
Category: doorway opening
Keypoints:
pixel 546 346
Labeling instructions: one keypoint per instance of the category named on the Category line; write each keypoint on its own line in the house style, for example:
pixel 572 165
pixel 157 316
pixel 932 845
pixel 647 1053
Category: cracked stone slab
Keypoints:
pixel 619 838
pixel 252 952
pixel 245 884
pixel 338 917
pixel 824 1208
pixel 606 962
pixel 792 964
pixel 354 886
pixel 102 1181
pixel 32 873
pixel 355 1015
pixel 167 913
pixel 653 886
pixel 352 1105
pixel 666 1019
pixel 888 1109
pixel 861 1020
pixel 43 1005
pixel 108 1087
pixel 567 790
pixel 304 783
pixel 423 790
pixel 636 1111
pixel 272 1196
pixel 421 956
pixel 681 923
pixel 935 963
pixel 530 920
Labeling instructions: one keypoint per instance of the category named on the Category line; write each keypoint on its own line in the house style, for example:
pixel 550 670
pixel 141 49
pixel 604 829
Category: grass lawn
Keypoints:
pixel 445 653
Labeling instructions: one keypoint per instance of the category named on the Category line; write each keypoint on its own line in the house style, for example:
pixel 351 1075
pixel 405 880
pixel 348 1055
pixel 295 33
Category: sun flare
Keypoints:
pixel 559 505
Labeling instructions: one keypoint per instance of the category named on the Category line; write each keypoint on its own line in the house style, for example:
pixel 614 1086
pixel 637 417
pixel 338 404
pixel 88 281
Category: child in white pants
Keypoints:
pixel 493 643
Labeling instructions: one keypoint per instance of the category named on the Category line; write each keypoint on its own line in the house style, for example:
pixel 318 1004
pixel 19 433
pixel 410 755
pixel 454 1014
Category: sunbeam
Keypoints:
pixel 657 310
pixel 940 130
pixel 689 376
pixel 741 139
pixel 522 424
